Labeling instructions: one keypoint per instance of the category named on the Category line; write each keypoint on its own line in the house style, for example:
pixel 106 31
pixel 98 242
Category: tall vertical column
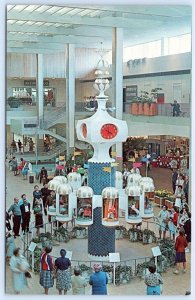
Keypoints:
pixel 70 98
pixel 39 84
pixel 164 46
pixel 117 78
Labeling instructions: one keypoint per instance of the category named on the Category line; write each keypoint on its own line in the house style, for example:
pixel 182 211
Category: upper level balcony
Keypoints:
pixel 160 121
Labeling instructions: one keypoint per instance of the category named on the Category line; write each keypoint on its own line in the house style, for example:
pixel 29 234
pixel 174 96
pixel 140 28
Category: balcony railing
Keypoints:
pixel 164 109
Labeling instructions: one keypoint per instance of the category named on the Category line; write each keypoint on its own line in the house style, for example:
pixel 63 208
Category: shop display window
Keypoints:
pixel 110 209
pixel 64 205
pixel 148 208
pixel 133 206
pixel 28 95
pixel 84 209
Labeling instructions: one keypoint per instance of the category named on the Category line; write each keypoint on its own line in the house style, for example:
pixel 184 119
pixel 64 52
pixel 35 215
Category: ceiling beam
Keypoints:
pixel 31 50
pixel 55 39
pixel 89 31
pixel 29 45
pixel 172 11
pixel 76 20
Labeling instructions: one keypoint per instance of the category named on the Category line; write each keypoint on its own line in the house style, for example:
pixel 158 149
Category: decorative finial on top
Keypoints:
pixel 101 82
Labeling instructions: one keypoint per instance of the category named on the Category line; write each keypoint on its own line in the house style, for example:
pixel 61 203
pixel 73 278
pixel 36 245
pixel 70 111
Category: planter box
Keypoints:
pixel 133 236
pixel 118 234
pixel 81 234
pixel 134 108
pixel 159 201
pixel 147 240
pixel 146 109
pixel 150 195
pixel 140 109
pixel 86 275
pixel 153 109
pixel 110 277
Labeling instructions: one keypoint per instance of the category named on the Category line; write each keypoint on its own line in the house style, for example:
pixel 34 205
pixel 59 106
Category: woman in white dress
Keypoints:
pixel 19 266
pixel 179 182
pixel 179 194
pixel 163 218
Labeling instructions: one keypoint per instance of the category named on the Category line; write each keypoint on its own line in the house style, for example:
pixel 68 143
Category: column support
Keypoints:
pixel 39 85
pixel 70 98
pixel 117 79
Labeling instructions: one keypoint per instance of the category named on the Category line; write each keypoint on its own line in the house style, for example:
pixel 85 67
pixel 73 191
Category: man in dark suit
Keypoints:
pixel 174 179
pixel 186 187
pixel 25 212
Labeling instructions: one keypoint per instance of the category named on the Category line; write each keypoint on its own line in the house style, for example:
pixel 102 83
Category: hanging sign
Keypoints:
pixel 33 82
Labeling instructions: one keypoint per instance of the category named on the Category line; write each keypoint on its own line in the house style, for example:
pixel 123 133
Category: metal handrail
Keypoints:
pixel 129 262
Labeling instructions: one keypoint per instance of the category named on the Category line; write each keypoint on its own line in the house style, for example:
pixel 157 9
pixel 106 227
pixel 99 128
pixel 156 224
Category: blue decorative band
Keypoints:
pixel 98 178
pixel 101 239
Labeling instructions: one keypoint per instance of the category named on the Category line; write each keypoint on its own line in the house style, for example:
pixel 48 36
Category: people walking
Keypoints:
pixel 37 195
pixel 98 280
pixel 47 268
pixel 43 176
pixel 19 266
pixel 176 109
pixel 10 246
pixel 180 245
pixel 153 281
pixel 25 169
pixel 45 193
pixel 78 283
pixel 173 219
pixel 163 218
pixel 15 209
pixel 38 211
pixel 26 213
pixel 14 166
pixel 63 276
pixel 187 228
pixel 174 179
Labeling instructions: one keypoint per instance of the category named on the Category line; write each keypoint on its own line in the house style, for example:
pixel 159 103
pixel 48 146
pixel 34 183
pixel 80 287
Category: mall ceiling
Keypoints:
pixel 47 28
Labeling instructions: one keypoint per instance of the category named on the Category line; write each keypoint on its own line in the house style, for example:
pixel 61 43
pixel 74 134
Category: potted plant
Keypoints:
pixel 14 102
pixel 109 270
pixel 148 236
pixel 162 263
pixel 134 234
pixel 85 271
pixel 160 196
pixel 123 274
pixel 167 248
pixel 79 232
pixel 61 234
pixel 37 258
pixel 120 232
pixel 141 269
pixel 147 102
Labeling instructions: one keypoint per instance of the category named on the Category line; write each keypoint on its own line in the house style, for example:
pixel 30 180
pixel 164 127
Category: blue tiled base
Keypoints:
pixel 98 179
pixel 101 239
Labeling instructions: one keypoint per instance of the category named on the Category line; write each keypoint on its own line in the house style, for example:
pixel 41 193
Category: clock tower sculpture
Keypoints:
pixel 102 131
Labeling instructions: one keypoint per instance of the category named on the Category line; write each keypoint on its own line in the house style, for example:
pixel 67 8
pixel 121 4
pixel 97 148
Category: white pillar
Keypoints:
pixel 164 46
pixel 70 97
pixel 39 84
pixel 117 77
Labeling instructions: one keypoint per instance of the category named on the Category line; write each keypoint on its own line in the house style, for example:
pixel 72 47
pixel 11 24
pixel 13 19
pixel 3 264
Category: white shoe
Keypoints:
pixel 184 270
pixel 176 272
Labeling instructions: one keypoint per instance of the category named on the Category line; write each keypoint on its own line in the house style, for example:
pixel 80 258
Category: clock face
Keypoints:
pixel 109 131
pixel 84 130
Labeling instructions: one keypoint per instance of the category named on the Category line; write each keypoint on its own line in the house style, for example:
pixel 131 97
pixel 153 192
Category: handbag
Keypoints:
pixel 27 274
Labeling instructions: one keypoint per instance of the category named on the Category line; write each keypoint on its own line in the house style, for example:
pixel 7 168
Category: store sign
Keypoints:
pixel 33 82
